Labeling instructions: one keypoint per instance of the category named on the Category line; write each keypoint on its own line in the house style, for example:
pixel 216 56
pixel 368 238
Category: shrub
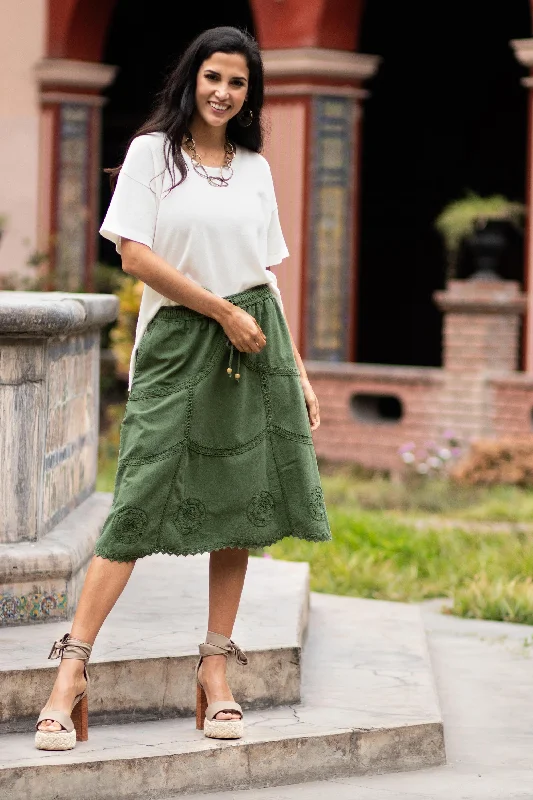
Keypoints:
pixel 507 460
pixel 122 335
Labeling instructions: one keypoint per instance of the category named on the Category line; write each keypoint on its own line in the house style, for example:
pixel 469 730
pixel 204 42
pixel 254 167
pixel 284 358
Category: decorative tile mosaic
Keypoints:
pixel 331 231
pixel 72 198
pixel 36 606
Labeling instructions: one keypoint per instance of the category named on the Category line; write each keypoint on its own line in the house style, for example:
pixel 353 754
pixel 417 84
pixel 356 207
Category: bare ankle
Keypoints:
pixel 214 664
pixel 71 667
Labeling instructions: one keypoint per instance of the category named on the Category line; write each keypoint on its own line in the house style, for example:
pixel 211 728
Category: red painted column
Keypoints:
pixel 70 161
pixel 524 53
pixel 313 106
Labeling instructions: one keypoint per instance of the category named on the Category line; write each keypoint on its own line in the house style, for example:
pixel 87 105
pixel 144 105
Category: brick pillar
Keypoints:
pixel 482 324
pixel 481 334
pixel 524 53
pixel 313 102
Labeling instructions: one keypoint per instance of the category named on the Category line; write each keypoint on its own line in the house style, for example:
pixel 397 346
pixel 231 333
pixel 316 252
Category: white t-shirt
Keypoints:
pixel 223 238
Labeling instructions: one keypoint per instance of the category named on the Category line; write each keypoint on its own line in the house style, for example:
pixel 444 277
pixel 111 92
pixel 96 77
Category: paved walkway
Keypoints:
pixel 484 674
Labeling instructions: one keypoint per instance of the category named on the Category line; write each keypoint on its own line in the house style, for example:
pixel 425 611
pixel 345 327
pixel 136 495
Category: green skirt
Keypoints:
pixel 206 460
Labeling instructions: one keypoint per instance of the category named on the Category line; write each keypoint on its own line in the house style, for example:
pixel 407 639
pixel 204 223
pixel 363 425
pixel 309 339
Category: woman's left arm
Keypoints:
pixel 311 399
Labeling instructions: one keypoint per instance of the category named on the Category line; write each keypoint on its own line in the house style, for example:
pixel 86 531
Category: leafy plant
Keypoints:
pixel 35 279
pixel 107 279
pixel 122 336
pixel 461 218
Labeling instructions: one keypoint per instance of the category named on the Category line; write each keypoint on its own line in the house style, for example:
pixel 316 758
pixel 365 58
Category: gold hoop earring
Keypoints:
pixel 245 117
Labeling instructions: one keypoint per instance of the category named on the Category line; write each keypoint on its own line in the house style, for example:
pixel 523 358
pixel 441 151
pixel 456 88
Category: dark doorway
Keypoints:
pixel 447 113
pixel 143 44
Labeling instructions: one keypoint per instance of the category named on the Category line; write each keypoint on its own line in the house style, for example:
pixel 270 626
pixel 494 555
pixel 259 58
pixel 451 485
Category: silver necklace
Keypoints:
pixel 213 180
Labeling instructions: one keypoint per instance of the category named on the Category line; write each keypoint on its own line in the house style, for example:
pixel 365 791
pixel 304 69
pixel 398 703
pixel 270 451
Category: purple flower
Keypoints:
pixel 406 447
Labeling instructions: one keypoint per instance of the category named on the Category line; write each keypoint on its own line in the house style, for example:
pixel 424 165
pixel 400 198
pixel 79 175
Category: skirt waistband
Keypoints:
pixel 246 298
pixel 242 299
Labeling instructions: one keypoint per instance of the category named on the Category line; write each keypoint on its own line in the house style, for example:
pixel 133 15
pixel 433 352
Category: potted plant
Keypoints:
pixel 480 223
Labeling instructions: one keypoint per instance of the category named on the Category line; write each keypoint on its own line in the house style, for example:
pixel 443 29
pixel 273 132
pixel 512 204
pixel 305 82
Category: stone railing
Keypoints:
pixel 49 413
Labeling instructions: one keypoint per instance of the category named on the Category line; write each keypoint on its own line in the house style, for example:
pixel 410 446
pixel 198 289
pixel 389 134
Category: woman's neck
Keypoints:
pixel 207 137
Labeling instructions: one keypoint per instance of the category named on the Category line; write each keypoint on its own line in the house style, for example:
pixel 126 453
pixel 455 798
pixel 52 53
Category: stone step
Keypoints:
pixel 143 660
pixel 368 705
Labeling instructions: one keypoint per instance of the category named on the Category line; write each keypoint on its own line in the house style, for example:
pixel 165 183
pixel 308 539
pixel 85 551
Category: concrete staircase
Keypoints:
pixel 334 687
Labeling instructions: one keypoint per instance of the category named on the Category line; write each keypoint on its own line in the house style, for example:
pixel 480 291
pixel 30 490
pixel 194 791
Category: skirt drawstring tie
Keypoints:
pixel 229 369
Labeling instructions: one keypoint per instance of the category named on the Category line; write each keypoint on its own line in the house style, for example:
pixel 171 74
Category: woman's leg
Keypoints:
pixel 227 570
pixel 103 585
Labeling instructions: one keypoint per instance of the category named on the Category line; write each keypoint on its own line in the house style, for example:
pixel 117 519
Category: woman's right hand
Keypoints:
pixel 244 331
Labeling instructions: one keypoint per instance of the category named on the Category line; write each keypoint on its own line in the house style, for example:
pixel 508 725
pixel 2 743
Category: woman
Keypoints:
pixel 214 456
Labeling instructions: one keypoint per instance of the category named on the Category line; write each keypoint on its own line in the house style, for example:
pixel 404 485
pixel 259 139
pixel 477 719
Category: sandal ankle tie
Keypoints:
pixel 67 647
pixel 207 649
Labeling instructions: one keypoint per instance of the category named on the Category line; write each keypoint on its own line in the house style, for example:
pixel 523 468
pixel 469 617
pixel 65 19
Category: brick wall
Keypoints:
pixel 511 405
pixel 487 404
pixel 361 434
pixel 476 394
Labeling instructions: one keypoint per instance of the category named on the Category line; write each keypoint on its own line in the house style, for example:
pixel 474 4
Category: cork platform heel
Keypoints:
pixel 217 644
pixel 75 727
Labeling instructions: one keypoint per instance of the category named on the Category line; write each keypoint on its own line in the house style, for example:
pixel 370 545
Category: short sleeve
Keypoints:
pixel 276 246
pixel 274 288
pixel 132 212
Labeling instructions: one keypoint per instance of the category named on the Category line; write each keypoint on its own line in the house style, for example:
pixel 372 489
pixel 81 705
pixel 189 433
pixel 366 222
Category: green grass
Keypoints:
pixel 375 553
pixel 108 449
pixel 499 599
pixel 435 497
pixel 486 576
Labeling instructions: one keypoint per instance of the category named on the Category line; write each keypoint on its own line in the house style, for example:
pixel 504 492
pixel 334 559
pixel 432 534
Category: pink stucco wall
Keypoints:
pixel 285 151
pixel 22 43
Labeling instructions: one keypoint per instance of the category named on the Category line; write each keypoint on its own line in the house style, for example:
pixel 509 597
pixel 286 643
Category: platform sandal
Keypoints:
pixel 217 644
pixel 76 726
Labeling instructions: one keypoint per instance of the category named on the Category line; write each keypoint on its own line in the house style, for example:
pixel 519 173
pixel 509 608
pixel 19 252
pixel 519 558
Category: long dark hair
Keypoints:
pixel 175 103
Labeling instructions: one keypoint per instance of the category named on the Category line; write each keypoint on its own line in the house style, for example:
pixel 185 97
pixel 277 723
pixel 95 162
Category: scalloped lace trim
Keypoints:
pixel 199 548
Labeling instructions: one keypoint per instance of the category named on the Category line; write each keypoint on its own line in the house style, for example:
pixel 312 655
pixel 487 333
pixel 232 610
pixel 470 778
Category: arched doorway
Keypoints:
pixel 143 44
pixel 446 113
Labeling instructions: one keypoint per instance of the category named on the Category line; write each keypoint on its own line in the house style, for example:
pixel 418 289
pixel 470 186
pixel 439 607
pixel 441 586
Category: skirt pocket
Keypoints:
pixel 173 354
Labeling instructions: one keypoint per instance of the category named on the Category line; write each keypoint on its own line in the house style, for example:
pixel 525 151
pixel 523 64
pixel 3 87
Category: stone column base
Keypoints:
pixel 41 581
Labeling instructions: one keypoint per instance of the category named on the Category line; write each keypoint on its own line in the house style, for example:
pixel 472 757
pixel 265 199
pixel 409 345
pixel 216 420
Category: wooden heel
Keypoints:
pixel 201 706
pixel 80 718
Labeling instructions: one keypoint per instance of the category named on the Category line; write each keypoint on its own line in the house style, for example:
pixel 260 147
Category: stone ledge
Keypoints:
pixel 60 553
pixel 319 62
pixel 47 314
pixel 41 581
pixel 383 373
pixel 498 297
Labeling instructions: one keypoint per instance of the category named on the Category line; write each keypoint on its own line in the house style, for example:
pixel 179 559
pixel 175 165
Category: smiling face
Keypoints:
pixel 221 88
